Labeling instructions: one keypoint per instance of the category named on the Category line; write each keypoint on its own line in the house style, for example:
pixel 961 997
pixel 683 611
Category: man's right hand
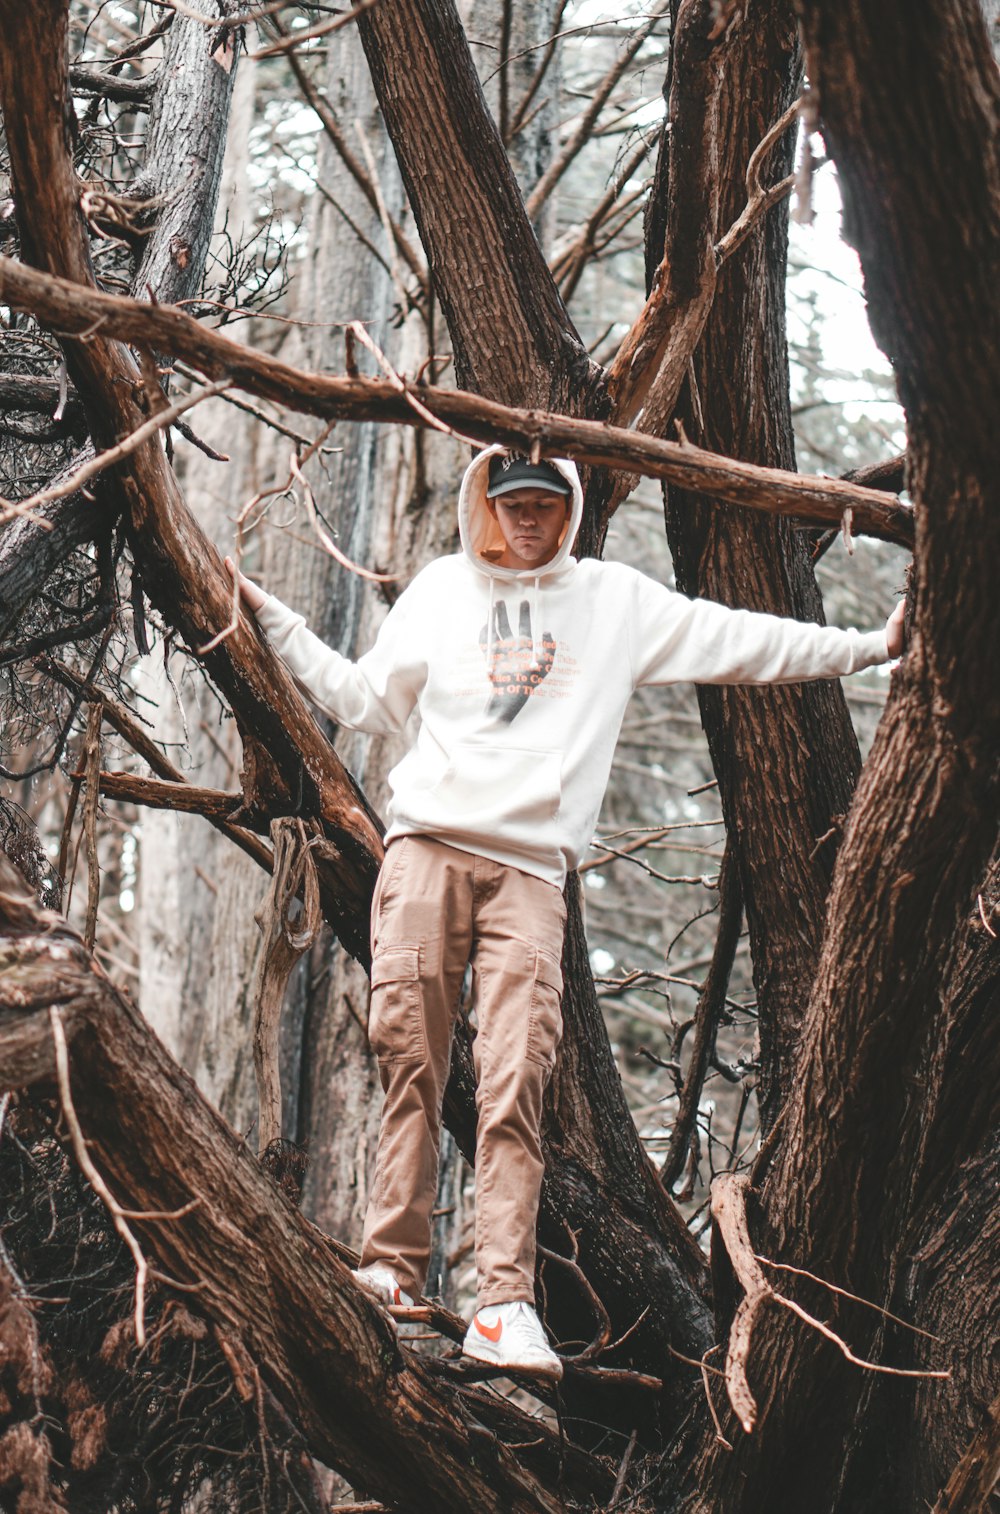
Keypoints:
pixel 250 593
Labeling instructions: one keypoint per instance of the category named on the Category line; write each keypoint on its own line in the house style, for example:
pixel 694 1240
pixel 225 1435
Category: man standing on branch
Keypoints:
pixel 520 661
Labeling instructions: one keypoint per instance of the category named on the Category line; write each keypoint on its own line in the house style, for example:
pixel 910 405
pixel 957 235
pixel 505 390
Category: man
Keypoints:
pixel 521 661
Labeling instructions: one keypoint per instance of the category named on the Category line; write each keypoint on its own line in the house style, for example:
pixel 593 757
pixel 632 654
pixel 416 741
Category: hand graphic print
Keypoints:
pixel 515 667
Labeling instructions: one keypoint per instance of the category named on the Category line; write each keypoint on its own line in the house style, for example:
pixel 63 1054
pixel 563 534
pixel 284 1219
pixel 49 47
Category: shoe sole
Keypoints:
pixel 533 1369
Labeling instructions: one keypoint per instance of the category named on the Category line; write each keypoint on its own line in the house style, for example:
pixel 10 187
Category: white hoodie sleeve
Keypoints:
pixel 376 693
pixel 674 638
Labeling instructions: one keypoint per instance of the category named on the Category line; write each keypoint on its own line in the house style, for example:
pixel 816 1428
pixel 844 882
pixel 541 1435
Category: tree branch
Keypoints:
pixel 820 501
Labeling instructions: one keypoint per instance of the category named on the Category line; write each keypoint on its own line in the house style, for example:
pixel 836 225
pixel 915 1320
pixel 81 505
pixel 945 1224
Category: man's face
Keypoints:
pixel 531 523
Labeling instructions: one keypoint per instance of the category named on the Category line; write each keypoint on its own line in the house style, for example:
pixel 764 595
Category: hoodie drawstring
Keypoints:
pixel 490 624
pixel 536 616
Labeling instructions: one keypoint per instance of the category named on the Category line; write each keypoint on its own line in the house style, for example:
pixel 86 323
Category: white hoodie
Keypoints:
pixel 521 678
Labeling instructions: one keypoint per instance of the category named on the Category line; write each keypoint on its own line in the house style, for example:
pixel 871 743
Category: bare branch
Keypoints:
pixel 821 501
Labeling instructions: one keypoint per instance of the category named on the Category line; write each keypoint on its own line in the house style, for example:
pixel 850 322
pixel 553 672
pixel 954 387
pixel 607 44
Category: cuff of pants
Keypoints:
pixel 503 1296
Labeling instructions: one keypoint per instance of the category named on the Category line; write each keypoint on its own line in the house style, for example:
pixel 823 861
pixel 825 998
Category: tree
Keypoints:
pixel 875 961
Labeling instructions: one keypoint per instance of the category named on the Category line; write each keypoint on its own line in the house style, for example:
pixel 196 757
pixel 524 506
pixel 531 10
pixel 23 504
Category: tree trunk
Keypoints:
pixel 786 758
pixel 841 1191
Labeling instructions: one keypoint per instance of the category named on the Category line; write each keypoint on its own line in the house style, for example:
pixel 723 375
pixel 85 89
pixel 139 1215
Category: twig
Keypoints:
pixel 92 754
pixel 327 540
pixel 843 1293
pixel 337 140
pixel 358 331
pixel 572 1262
pixel 623 1469
pixel 710 1006
pixel 982 915
pixel 94 1178
pixel 321 29
pixel 598 100
pixel 729 1192
pixel 120 720
pixel 759 199
pixel 859 1361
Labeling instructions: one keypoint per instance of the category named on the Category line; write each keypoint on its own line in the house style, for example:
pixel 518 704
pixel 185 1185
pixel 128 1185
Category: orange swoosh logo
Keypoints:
pixel 491 1332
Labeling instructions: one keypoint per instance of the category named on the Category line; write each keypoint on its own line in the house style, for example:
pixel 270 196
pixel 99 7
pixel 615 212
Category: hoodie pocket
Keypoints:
pixel 499 788
pixel 396 1022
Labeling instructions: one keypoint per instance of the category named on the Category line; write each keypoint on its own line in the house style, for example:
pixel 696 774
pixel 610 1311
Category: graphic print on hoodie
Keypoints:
pixel 515 666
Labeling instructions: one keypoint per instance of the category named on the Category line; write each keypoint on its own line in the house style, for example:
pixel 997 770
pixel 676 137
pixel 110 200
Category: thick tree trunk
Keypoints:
pixel 904 92
pixel 786 758
pixel 511 336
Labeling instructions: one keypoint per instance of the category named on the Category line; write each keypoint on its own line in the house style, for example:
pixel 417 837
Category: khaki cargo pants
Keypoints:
pixel 436 909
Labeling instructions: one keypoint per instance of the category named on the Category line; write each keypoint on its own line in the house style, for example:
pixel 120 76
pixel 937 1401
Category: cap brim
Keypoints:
pixel 543 485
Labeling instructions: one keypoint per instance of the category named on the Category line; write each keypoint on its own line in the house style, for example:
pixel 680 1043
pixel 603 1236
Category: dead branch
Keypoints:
pixel 652 361
pixel 92 766
pixel 175 792
pixel 710 1005
pixel 95 465
pixel 321 29
pixel 184 798
pixel 94 1178
pixel 74 309
pixel 759 199
pixel 569 265
pixel 355 168
pixel 729 1192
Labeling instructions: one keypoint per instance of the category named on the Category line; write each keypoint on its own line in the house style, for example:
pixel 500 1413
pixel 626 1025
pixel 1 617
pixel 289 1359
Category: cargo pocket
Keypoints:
pixel 396 1023
pixel 545 1014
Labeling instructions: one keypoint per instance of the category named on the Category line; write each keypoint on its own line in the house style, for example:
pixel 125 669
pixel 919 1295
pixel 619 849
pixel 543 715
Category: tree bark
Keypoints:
pixel 908 88
pixel 786 758
pixel 511 336
pixel 185 144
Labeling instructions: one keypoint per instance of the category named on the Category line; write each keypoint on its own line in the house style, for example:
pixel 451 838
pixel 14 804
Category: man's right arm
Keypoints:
pixel 375 694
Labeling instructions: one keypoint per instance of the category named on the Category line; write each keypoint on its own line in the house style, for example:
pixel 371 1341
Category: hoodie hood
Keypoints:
pixel 480 533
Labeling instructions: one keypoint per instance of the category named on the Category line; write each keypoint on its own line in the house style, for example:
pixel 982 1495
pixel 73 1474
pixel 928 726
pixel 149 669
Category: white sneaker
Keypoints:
pixel 382 1285
pixel 511 1335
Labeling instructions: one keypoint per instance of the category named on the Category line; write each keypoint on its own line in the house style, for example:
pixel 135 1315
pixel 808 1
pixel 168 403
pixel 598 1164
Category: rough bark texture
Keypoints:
pixel 505 317
pixel 925 816
pixel 786 758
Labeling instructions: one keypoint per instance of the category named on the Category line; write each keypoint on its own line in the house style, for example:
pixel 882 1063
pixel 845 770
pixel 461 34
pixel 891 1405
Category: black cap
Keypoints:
pixel 509 471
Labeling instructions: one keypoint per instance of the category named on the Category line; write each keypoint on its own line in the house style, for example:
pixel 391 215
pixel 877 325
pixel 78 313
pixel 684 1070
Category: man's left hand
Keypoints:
pixel 895 634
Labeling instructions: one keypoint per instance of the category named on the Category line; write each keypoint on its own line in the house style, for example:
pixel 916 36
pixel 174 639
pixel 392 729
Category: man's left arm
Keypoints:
pixel 680 639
